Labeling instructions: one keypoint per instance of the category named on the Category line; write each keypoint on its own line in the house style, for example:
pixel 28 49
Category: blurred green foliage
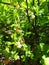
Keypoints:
pixel 24 31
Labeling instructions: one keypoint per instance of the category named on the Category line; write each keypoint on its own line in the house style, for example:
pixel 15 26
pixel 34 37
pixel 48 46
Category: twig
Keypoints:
pixel 7 3
pixel 38 2
pixel 27 11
